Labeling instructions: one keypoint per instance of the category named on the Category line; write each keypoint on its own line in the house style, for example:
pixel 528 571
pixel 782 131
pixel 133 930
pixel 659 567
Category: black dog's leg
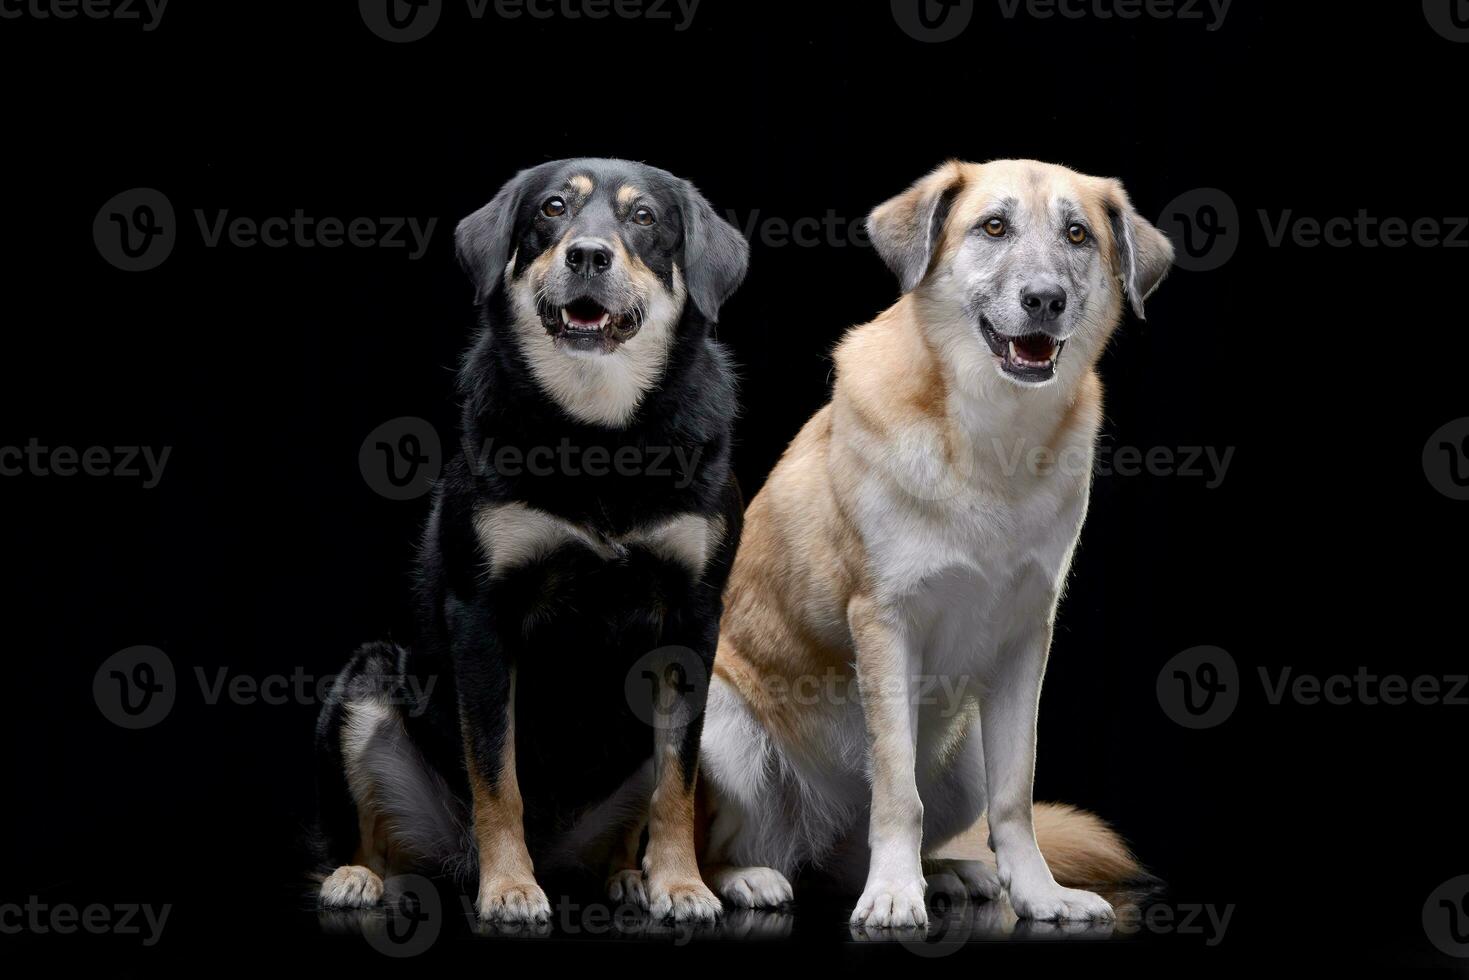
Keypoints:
pixel 670 863
pixel 485 675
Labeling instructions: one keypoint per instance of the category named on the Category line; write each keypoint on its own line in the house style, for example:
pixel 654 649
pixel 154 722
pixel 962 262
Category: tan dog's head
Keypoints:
pixel 1015 262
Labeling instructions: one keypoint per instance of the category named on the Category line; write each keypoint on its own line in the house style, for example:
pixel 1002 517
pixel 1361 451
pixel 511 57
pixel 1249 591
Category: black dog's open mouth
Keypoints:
pixel 1031 357
pixel 585 324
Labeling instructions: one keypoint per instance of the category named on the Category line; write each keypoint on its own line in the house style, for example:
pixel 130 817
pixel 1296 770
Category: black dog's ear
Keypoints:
pixel 482 240
pixel 716 255
pixel 1143 253
pixel 906 229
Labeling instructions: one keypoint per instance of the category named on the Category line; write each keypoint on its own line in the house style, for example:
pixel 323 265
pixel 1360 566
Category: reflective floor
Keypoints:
pixel 417 914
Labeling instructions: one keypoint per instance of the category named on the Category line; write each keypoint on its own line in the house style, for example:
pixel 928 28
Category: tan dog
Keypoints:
pixel 889 616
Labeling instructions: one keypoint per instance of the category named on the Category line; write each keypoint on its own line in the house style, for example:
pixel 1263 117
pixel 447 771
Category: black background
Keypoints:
pixel 264 551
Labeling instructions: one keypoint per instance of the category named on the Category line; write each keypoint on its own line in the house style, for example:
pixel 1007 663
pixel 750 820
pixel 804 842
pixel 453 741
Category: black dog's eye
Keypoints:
pixel 1077 234
pixel 554 208
pixel 643 216
pixel 995 227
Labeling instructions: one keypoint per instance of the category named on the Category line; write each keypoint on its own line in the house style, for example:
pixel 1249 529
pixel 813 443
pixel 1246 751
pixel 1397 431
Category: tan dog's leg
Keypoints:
pixel 507 884
pixel 1008 719
pixel 895 886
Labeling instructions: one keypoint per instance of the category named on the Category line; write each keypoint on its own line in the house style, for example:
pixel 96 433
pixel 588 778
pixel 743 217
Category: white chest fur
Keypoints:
pixel 515 534
pixel 970 537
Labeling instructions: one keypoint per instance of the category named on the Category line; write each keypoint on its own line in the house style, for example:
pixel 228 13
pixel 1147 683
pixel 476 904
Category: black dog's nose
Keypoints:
pixel 1043 301
pixel 587 258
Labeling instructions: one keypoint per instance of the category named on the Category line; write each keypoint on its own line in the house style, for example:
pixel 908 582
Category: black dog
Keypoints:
pixel 571 570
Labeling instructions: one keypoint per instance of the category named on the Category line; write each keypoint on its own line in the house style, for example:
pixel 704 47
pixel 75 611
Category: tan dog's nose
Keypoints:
pixel 1043 301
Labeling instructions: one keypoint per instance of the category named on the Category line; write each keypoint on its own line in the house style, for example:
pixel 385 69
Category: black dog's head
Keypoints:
pixel 603 249
pixel 599 261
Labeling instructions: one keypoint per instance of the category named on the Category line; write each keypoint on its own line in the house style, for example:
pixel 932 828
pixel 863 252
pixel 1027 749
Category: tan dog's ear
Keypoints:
pixel 906 229
pixel 1143 253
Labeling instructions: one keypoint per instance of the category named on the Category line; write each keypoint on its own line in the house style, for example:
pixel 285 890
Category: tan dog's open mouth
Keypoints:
pixel 1030 357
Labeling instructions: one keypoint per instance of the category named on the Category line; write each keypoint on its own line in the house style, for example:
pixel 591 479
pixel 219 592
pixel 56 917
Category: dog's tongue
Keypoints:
pixel 1036 347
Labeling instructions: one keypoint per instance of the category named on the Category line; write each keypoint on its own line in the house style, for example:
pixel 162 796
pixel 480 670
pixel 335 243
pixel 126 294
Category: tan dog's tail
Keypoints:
pixel 1081 849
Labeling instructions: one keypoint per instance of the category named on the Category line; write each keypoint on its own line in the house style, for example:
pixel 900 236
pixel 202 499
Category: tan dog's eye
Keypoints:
pixel 643 216
pixel 995 227
pixel 554 208
pixel 1076 234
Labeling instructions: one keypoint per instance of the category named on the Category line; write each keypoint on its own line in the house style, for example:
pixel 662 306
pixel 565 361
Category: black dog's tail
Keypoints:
pixel 368 766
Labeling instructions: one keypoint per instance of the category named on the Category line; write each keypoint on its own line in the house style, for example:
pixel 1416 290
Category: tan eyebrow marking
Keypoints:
pixel 628 194
pixel 581 183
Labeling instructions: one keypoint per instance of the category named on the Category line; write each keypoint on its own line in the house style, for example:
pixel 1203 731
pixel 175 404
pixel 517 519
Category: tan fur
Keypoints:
pixel 505 871
pixel 1082 851
pixel 801 596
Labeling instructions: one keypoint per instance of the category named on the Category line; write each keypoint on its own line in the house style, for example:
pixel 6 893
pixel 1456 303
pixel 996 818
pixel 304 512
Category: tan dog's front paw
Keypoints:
pixel 683 900
pixel 512 900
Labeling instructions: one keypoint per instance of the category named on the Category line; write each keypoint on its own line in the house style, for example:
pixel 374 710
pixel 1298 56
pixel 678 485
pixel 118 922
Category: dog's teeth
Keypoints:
pixel 565 317
pixel 1013 355
pixel 602 323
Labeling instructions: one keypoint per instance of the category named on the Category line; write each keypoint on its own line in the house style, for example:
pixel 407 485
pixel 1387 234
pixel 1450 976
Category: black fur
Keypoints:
pixel 571 624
